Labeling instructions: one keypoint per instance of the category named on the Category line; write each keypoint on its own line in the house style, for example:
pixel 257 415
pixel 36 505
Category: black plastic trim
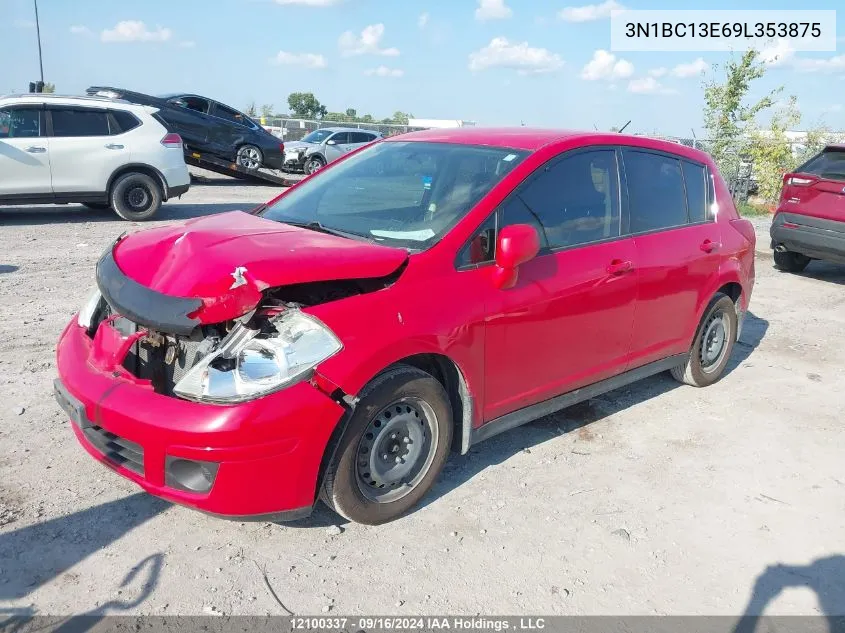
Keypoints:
pixel 818 238
pixel 143 305
pixel 535 411
pixel 273 517
pixel 175 192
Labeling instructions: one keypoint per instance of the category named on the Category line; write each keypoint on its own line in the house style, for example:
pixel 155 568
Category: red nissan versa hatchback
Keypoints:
pixel 416 297
pixel 810 220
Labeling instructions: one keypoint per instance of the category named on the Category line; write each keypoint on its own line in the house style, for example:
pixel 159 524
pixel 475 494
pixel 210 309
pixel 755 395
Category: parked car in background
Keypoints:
pixel 413 298
pixel 100 152
pixel 810 219
pixel 322 146
pixel 210 126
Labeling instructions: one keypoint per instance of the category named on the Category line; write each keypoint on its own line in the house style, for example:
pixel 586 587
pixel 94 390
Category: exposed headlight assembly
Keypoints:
pixel 85 318
pixel 250 364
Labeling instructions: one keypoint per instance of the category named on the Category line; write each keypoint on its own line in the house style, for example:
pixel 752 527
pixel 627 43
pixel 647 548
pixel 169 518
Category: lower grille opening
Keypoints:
pixel 116 449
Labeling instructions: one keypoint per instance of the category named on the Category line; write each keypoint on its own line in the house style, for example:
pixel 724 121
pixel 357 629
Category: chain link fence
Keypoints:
pixel 295 129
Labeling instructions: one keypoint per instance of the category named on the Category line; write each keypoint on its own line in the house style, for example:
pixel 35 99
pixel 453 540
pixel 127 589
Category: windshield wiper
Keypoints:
pixel 316 226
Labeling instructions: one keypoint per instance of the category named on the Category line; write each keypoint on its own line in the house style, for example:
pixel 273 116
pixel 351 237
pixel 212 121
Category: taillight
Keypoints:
pixel 282 148
pixel 799 181
pixel 172 141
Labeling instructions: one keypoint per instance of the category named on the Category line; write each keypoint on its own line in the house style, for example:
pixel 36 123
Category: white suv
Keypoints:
pixel 100 152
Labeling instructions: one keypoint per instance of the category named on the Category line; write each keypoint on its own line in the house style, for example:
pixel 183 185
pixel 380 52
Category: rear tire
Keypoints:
pixel 712 346
pixel 393 449
pixel 136 197
pixel 791 262
pixel 250 157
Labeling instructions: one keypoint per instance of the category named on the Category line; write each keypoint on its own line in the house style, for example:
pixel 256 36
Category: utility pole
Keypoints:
pixel 38 32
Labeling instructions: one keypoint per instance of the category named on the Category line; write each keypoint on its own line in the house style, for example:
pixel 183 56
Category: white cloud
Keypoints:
pixel 384 71
pixel 648 85
pixel 692 69
pixel 590 12
pixel 492 10
pixel 368 42
pixel 305 60
pixel 605 65
pixel 81 30
pixel 658 72
pixel 187 44
pixel 500 53
pixel 778 53
pixel 135 31
pixel 422 21
pixel 310 3
pixel 829 65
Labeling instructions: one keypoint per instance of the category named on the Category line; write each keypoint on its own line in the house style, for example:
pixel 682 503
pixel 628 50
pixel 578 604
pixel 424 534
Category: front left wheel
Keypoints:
pixel 393 449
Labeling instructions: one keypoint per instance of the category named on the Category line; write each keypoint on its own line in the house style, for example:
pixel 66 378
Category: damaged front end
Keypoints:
pixel 161 341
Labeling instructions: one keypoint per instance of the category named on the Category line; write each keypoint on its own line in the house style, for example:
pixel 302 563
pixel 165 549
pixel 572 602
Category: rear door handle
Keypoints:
pixel 36 150
pixel 114 146
pixel 618 267
pixel 708 246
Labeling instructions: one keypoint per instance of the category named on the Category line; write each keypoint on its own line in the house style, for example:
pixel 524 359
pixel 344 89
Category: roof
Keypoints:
pixel 43 97
pixel 532 139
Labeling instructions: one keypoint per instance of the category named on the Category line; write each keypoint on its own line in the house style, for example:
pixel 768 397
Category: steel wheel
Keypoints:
pixel 396 450
pixel 137 198
pixel 714 341
pixel 250 157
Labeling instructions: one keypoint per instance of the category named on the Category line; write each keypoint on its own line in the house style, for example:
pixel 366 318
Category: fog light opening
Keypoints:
pixel 189 474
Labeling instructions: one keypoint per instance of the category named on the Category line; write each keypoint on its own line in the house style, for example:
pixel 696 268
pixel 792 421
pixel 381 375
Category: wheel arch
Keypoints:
pixel 141 168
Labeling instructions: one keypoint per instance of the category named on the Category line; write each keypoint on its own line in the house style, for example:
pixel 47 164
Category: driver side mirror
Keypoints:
pixel 331 142
pixel 517 244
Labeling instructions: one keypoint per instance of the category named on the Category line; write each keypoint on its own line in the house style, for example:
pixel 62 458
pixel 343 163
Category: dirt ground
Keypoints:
pixel 654 499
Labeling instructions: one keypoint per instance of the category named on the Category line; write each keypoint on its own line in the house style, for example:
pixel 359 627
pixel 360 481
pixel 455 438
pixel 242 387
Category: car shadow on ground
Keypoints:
pixel 497 450
pixel 70 214
pixel 823 271
pixel 37 554
pixel 825 576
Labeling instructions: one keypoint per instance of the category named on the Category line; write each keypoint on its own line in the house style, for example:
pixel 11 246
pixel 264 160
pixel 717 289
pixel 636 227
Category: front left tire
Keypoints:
pixel 393 448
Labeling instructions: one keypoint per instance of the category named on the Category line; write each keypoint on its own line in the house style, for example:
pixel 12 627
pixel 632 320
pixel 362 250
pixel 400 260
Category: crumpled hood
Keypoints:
pixel 228 260
pixel 298 145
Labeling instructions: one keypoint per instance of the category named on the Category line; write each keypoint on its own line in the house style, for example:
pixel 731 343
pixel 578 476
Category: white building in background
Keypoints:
pixel 439 124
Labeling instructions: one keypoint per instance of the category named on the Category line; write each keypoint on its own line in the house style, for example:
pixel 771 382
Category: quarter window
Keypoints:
pixel 695 183
pixel 20 123
pixel 123 122
pixel 482 247
pixel 572 202
pixel 655 191
pixel 71 122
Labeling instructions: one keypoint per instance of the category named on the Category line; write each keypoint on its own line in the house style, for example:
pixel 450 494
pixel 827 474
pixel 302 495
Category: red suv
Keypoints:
pixel 810 219
pixel 415 297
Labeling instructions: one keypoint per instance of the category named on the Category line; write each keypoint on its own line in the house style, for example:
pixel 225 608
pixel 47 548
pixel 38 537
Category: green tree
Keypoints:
pixel 304 105
pixel 401 118
pixel 727 116
pixel 367 118
pixel 770 151
pixel 250 109
pixel 351 113
pixel 267 110
pixel 49 88
pixel 338 117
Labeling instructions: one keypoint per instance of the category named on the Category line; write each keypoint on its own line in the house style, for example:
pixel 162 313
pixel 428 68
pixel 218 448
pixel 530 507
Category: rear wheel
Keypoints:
pixel 250 157
pixel 712 346
pixel 393 449
pixel 791 262
pixel 136 197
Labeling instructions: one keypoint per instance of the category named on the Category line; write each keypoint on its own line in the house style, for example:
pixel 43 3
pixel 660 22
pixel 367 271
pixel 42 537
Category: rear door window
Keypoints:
pixel 79 122
pixel 830 164
pixel 360 137
pixel 695 184
pixel 341 138
pixel 656 193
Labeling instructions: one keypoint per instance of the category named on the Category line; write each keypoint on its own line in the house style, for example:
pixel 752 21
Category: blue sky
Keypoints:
pixel 497 62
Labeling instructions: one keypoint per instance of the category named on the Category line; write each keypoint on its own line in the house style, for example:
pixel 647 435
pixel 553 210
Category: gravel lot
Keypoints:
pixel 654 499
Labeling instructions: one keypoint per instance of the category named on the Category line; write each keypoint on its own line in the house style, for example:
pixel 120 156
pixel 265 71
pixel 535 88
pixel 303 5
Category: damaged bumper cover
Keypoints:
pixel 261 458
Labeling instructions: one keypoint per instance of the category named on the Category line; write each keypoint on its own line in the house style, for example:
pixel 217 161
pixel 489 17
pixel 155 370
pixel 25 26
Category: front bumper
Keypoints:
pixel 268 450
pixel 817 238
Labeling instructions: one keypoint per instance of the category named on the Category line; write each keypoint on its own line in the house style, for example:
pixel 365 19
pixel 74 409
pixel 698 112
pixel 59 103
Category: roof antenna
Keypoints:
pixel 595 127
pixel 624 126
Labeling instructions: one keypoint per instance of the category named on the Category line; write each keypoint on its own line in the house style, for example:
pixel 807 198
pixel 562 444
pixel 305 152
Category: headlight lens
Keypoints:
pixel 85 317
pixel 262 364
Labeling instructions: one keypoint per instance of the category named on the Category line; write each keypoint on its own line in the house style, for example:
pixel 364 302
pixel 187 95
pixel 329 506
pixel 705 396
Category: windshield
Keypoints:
pixel 406 194
pixel 317 136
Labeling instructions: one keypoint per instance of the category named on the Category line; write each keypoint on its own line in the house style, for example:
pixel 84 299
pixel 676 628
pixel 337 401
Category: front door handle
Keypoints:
pixel 618 267
pixel 114 146
pixel 709 246
pixel 36 150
